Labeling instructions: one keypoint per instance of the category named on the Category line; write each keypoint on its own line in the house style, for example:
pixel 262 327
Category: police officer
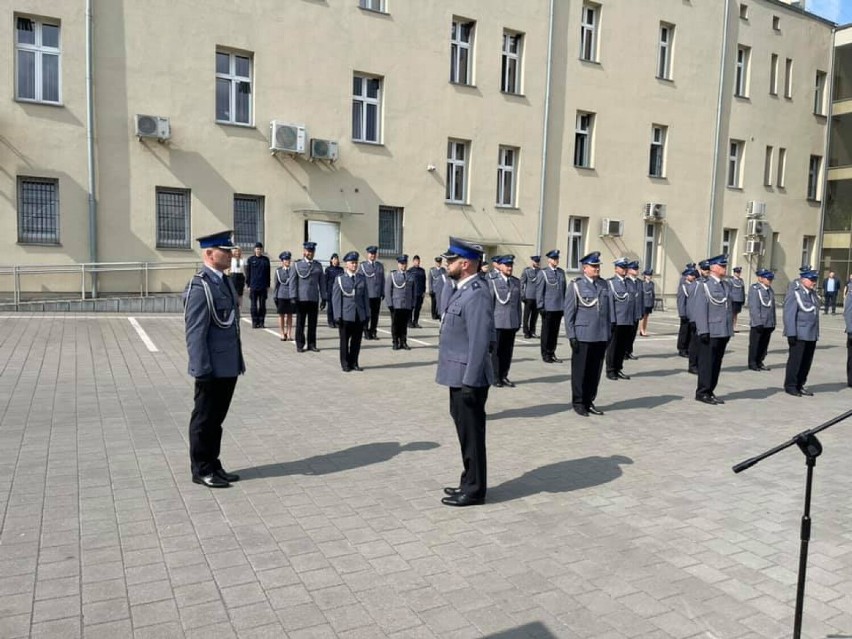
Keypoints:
pixel 399 296
pixel 587 326
pixel 801 328
pixel 637 293
pixel 737 294
pixel 332 271
pixel 282 293
pixel 437 280
pixel 761 311
pixel 351 306
pixel 310 294
pixel 530 282
pixel 506 291
pixel 621 314
pixel 495 267
pixel 694 344
pixel 847 316
pixel 550 301
pixel 649 296
pixel 258 270
pixel 374 271
pixel 714 326
pixel 212 323
pixel 419 274
pixel 684 290
pixel 464 365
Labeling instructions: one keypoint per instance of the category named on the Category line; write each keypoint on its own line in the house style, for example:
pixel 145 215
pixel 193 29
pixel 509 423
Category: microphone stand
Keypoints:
pixel 811 448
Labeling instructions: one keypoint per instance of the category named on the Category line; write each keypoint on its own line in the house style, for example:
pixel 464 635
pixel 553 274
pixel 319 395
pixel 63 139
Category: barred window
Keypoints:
pixel 173 218
pixel 248 220
pixel 390 230
pixel 38 210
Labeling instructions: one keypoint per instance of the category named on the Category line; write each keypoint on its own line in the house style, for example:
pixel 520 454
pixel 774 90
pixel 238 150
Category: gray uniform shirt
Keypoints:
pixel 714 314
pixel 507 302
pixel 587 310
pixel 399 289
pixel 737 289
pixel 308 281
pixel 349 301
pixel 847 311
pixel 375 274
pixel 638 298
pixel 530 282
pixel 551 290
pixel 621 300
pixel 684 292
pixel 437 280
pixel 283 283
pixel 801 314
pixel 761 306
pixel 467 327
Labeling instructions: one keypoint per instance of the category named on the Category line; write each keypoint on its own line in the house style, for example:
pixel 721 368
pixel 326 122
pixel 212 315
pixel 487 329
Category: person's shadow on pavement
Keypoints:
pixel 560 477
pixel 347 459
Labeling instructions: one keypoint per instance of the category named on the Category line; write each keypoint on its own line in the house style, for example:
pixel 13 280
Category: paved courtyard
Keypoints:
pixel 626 525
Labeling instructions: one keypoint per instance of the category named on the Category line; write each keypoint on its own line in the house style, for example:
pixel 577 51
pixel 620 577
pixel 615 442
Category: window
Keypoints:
pixel 767 167
pixel 583 139
pixel 510 76
pixel 650 245
pixel 372 5
pixel 729 241
pixel 589 33
pixel 390 230
pixel 814 172
pixel 788 78
pixel 743 11
pixel 173 218
pixel 664 52
pixel 38 210
pixel 808 242
pixel 819 93
pixel 576 242
pixel 735 156
pixel 38 71
pixel 457 151
pixel 461 52
pixel 773 74
pixel 233 88
pixel 248 220
pixel 741 82
pixel 776 23
pixel 366 108
pixel 781 178
pixel 658 151
pixel 507 162
pixel 775 253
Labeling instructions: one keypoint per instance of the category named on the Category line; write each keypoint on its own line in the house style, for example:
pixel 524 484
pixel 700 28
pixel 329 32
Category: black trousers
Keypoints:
pixel 530 317
pixel 617 348
pixel 799 361
pixel 683 335
pixel 212 400
pixel 433 306
pixel 306 312
pixel 329 314
pixel 709 364
pixel 351 334
pixel 400 317
pixel 586 367
pixel 467 408
pixel 375 308
pixel 415 314
pixel 694 345
pixel 632 338
pixel 758 344
pixel 831 300
pixel 258 305
pixel 550 321
pixel 501 356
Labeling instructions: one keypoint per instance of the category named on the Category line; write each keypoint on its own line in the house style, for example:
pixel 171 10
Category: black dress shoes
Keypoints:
pixel 622 375
pixel 555 360
pixel 793 391
pixel 405 346
pixel 498 383
pixel 594 410
pixel 630 356
pixel 452 490
pixel 761 367
pixel 300 349
pixel 683 354
pixel 754 368
pixel 508 382
pixel 707 399
pixel 345 369
pixel 612 376
pixel 357 368
pixel 211 481
pixel 224 474
pixel 396 347
pixel 461 499
pixel 693 370
pixel 717 400
pixel 313 349
pixel 582 411
pixel 804 391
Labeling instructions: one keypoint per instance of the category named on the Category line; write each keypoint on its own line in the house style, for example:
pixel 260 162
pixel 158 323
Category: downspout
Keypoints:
pixel 829 81
pixel 90 148
pixel 715 176
pixel 540 232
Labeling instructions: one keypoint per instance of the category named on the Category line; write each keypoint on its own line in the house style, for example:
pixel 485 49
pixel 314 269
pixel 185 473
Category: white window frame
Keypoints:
pixel 576 242
pixel 729 241
pixel 659 133
pixel 808 242
pixel 459 75
pixel 589 21
pixel 776 23
pixel 665 49
pixel 584 132
pixel 363 101
pixel 650 245
pixel 781 177
pixel 743 11
pixel 788 78
pixel 814 177
pixel 736 150
pixel 819 93
pixel 234 82
pixel 773 74
pixel 38 50
pixel 507 175
pixel 457 170
pixel 742 75
pixel 767 166
pixel 511 59
pixel 373 5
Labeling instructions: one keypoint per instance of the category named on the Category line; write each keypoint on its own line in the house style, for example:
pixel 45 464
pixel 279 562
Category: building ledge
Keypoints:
pixel 842 107
pixel 840 173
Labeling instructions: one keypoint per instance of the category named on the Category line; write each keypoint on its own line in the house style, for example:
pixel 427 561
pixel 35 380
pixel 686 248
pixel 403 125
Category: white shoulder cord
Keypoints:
pixel 393 280
pixel 685 292
pixel 211 310
pixel 365 272
pixel 768 302
pixel 547 279
pixel 618 298
pixel 713 300
pixel 802 306
pixel 583 302
pixel 497 295
pixel 734 281
pixel 343 290
pixel 278 275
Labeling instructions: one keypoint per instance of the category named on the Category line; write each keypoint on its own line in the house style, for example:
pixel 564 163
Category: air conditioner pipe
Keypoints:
pixel 540 232
pixel 90 149
pixel 715 173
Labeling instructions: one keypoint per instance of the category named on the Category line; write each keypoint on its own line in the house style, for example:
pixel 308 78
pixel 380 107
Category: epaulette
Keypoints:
pixel 474 285
pixel 576 279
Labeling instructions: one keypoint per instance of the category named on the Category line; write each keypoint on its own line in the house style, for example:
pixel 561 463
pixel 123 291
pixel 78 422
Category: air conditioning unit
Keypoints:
pixel 612 228
pixel 756 209
pixel 754 227
pixel 323 149
pixel 754 247
pixel 287 138
pixel 153 126
pixel 654 211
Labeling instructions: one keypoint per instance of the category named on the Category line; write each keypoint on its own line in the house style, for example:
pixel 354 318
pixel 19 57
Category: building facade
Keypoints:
pixel 666 130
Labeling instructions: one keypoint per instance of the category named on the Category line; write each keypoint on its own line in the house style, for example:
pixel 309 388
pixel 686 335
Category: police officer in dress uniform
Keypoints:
pixel 649 296
pixel 530 283
pixel 737 294
pixel 399 296
pixel 587 326
pixel 762 320
pixel 506 290
pixel 550 301
pixel 464 365
pixel 495 267
pixel 374 271
pixel 714 326
pixel 282 293
pixel 694 344
pixel 258 271
pixel 684 290
pixel 212 322
pixel 310 294
pixel 622 314
pixel 847 317
pixel 332 271
pixel 801 328
pixel 638 305
pixel 437 280
pixel 350 303
pixel 419 275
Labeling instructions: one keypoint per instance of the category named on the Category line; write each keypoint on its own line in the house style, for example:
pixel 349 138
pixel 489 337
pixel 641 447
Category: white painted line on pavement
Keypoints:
pixel 410 338
pixel 143 335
